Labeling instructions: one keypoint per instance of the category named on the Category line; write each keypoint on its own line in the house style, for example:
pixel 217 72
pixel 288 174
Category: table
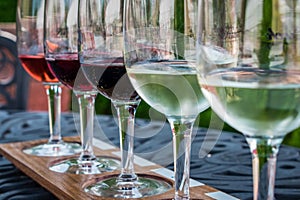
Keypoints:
pixel 226 167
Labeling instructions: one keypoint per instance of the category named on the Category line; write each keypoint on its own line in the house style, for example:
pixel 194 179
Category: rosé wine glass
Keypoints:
pixel 30 20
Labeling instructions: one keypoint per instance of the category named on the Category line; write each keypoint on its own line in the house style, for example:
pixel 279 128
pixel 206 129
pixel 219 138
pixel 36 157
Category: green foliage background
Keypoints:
pixel 103 105
pixel 8 10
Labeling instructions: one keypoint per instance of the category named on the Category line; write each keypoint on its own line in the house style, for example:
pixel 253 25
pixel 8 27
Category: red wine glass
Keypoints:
pixel 101 57
pixel 30 20
pixel 61 44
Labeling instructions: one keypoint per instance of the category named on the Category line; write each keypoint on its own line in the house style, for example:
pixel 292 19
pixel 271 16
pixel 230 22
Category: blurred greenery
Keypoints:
pixel 8 10
pixel 103 105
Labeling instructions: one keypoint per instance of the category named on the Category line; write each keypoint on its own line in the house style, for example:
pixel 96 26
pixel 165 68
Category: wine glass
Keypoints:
pixel 61 52
pixel 160 58
pixel 101 58
pixel 30 20
pixel 249 72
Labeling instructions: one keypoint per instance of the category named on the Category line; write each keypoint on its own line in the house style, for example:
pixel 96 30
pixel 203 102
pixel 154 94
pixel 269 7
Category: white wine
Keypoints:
pixel 255 102
pixel 170 87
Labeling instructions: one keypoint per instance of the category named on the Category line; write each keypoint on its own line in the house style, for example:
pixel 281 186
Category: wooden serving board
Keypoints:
pixel 71 186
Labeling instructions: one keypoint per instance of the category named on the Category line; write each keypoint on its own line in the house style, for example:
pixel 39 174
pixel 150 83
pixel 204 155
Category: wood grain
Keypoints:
pixel 71 186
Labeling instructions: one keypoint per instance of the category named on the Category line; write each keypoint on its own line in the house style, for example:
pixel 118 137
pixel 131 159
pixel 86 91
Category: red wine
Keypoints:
pixel 36 66
pixel 111 79
pixel 65 67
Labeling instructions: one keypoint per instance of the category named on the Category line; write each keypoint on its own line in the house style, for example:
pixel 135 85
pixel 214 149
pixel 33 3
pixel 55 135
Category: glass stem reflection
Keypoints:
pixel 264 155
pixel 53 92
pixel 86 101
pixel 126 115
pixel 182 131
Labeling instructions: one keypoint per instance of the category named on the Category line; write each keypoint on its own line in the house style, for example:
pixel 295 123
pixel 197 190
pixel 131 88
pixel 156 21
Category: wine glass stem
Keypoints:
pixel 53 92
pixel 264 155
pixel 126 116
pixel 86 101
pixel 182 131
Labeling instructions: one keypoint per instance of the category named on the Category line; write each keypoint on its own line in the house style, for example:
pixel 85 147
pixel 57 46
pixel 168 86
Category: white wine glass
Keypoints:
pixel 160 58
pixel 61 52
pixel 30 21
pixel 101 58
pixel 249 72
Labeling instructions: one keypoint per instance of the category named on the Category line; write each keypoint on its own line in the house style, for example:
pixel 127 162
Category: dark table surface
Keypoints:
pixel 226 167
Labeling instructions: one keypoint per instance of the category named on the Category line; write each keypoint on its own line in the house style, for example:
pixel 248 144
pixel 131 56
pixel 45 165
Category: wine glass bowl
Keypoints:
pixel 30 21
pixel 250 75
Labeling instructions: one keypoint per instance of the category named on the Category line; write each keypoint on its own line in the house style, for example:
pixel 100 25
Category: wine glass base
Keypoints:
pixel 145 186
pixel 53 150
pixel 96 166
